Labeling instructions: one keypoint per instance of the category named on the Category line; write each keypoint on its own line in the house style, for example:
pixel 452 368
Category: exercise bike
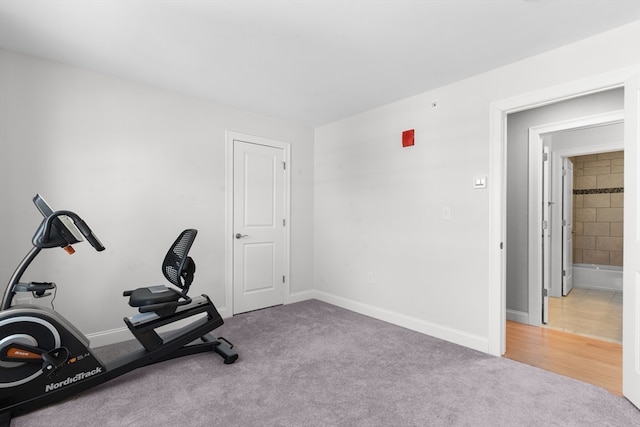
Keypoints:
pixel 44 358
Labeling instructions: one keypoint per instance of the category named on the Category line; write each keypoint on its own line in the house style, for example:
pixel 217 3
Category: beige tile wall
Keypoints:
pixel 598 214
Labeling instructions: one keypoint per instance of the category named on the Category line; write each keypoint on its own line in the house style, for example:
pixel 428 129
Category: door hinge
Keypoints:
pixel 564 222
pixel 284 222
pixel 564 273
pixel 282 279
pixel 545 157
pixel 284 165
pixel 545 224
pixel 544 293
pixel 564 172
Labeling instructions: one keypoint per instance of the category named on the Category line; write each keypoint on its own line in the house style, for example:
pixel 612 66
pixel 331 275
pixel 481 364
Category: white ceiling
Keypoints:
pixel 307 61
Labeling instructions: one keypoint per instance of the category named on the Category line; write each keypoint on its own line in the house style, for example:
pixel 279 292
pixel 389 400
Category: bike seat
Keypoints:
pixel 178 268
pixel 151 295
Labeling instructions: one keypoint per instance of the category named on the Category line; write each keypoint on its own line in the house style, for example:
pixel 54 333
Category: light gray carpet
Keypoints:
pixel 313 364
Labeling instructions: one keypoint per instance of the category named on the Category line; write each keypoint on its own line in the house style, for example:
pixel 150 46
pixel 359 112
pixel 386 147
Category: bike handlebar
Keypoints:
pixel 44 239
pixel 88 234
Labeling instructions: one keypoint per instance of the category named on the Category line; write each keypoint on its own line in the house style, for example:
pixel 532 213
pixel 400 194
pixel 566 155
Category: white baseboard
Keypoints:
pixel 455 336
pixel 614 287
pixel 518 316
pixel 300 296
pixel 465 339
pixel 224 313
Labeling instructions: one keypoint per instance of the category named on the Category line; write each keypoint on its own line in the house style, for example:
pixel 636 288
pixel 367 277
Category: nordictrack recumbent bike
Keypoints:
pixel 44 358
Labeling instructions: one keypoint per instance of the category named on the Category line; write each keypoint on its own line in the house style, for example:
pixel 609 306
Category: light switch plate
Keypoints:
pixel 480 182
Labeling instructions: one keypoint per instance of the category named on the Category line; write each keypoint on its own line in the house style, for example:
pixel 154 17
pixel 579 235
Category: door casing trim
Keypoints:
pixel 498 112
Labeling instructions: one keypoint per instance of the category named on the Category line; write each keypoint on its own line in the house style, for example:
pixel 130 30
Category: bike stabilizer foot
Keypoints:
pixel 222 347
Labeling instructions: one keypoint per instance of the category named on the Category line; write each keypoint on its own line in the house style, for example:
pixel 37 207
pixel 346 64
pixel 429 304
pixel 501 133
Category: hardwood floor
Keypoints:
pixel 583 358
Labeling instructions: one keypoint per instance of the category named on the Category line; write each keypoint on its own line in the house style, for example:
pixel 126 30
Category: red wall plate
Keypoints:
pixel 407 138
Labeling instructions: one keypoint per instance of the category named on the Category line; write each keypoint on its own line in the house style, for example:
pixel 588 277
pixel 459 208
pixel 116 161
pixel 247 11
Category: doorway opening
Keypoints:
pixel 578 185
pixel 586 265
pixel 549 261
pixel 629 80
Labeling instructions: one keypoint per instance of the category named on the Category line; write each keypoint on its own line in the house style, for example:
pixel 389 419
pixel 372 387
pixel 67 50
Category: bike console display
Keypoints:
pixel 61 228
pixel 62 225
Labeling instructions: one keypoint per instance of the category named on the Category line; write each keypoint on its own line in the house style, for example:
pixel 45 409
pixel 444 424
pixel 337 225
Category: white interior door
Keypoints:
pixel 631 261
pixel 258 226
pixel 567 226
pixel 546 233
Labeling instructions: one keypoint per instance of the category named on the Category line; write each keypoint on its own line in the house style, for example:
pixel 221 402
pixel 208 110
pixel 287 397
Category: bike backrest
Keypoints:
pixel 177 266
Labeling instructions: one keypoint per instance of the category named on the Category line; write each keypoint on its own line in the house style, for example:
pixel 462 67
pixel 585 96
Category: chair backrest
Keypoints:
pixel 177 266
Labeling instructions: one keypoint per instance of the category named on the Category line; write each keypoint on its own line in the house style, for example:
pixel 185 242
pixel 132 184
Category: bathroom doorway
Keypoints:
pixel 592 306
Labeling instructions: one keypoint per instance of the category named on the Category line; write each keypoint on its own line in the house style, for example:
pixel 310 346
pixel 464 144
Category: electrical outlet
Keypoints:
pixel 446 213
pixel 370 278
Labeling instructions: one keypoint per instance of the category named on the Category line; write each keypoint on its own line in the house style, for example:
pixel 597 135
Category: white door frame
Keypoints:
pixel 565 228
pixel 229 226
pixel 545 240
pixel 497 191
pixel 629 78
pixel 535 191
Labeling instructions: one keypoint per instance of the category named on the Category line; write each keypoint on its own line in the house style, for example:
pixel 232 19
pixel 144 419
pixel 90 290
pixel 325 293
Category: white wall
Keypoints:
pixel 378 207
pixel 139 165
pixel 587 140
